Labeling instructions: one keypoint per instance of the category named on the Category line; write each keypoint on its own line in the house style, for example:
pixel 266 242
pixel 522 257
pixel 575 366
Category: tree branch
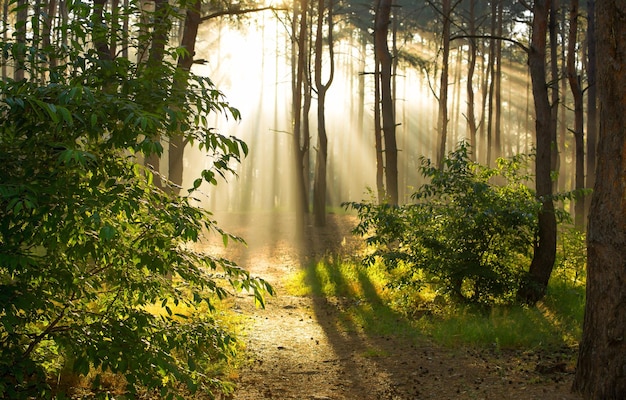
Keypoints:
pixel 239 11
pixel 504 39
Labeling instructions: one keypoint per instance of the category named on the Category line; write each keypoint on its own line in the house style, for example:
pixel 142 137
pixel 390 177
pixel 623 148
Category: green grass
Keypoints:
pixel 368 306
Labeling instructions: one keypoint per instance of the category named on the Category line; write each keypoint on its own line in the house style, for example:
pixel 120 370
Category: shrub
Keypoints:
pixel 468 233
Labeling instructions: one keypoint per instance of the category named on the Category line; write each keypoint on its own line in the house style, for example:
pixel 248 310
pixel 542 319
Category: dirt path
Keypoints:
pixel 298 350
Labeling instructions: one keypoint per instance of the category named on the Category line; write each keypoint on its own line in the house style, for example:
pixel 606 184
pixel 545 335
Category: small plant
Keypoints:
pixel 468 234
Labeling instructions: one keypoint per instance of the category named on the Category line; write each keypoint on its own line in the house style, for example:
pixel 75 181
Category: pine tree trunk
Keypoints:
pixel 592 111
pixel 534 288
pixel 383 16
pixel 471 117
pixel 601 369
pixel 577 93
pixel 299 57
pixel 319 192
pixel 442 119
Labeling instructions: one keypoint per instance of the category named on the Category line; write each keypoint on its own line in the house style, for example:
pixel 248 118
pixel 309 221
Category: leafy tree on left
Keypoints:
pixel 89 245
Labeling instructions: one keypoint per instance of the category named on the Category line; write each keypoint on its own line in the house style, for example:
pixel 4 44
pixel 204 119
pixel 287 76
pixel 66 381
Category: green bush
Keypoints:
pixel 468 233
pixel 88 243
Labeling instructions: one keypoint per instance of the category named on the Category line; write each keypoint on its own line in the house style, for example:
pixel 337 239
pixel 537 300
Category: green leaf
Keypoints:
pixel 107 232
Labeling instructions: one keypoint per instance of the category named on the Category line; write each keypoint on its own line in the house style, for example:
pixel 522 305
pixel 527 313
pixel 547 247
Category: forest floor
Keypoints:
pixel 297 348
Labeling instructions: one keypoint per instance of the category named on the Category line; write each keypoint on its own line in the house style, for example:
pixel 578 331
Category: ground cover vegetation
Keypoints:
pixel 468 234
pixel 97 274
pixel 369 301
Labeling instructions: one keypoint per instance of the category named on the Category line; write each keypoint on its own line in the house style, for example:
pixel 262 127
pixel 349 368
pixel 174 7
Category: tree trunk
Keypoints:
pixel 378 134
pixel 601 369
pixel 442 119
pixel 381 30
pixel 185 61
pixel 471 117
pixel 554 91
pixel 592 111
pixel 48 22
pixel 20 37
pixel 319 192
pixel 574 82
pixel 300 57
pixel 491 74
pixel 534 288
pixel 497 134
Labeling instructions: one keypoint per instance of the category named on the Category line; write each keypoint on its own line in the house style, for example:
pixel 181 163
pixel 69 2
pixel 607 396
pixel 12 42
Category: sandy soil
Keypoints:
pixel 298 350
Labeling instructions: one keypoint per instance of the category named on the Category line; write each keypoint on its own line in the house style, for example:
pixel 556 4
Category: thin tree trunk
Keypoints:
pixel 48 22
pixel 554 92
pixel 319 192
pixel 574 82
pixel 497 134
pixel 491 76
pixel 602 352
pixel 300 26
pixel 115 21
pixel 442 119
pixel 5 36
pixel 592 111
pixel 534 288
pixel 378 134
pixel 100 31
pixel 383 15
pixel 20 37
pixel 471 117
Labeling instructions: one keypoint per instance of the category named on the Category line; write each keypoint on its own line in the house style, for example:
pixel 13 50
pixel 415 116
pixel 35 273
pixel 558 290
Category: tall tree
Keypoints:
pixel 442 118
pixel 319 191
pixel 471 113
pixel 381 31
pixel 575 86
pixel 553 27
pixel 300 142
pixel 378 130
pixel 544 256
pixel 592 110
pixel 602 353
pixel 20 36
pixel 185 61
pixel 497 132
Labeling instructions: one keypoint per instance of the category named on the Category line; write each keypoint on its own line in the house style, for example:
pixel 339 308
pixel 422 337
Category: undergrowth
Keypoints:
pixel 369 306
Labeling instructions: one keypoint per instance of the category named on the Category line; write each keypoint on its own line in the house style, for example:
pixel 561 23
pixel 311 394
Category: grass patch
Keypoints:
pixel 367 305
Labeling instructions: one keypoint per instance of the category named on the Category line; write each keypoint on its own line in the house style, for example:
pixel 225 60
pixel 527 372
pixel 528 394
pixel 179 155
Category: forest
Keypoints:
pixel 300 199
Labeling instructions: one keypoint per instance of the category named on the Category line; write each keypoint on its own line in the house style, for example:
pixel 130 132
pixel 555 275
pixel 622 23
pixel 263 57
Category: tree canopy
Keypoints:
pixel 97 263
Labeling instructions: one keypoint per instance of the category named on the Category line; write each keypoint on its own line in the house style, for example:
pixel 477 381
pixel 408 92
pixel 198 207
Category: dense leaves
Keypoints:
pixel 90 247
pixel 468 233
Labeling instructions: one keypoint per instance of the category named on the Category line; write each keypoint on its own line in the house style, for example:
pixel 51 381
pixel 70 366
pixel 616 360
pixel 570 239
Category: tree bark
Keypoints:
pixel 471 113
pixel 577 93
pixel 20 37
pixel 601 369
pixel 378 133
pixel 381 30
pixel 319 192
pixel 497 133
pixel 185 61
pixel 442 119
pixel 592 111
pixel 300 57
pixel 553 26
pixel 491 77
pixel 534 287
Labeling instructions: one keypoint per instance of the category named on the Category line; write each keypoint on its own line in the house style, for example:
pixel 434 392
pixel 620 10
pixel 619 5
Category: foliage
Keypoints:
pixel 469 232
pixel 88 242
pixel 367 305
pixel 571 255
